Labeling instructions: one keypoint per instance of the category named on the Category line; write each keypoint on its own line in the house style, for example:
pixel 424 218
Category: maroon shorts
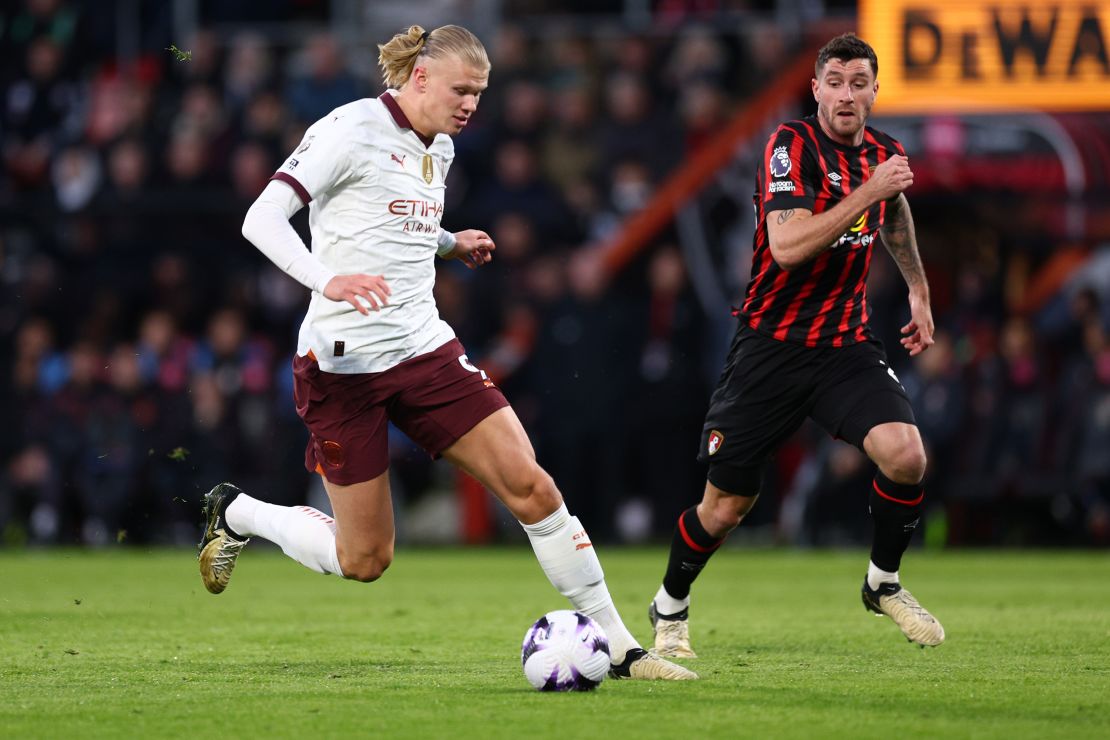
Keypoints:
pixel 434 398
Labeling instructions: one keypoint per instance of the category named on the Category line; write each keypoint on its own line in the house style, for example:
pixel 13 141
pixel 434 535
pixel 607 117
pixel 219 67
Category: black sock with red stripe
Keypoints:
pixel 895 512
pixel 690 551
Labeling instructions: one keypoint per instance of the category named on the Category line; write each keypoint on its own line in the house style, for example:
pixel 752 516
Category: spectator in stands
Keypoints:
pixel 634 127
pixel 76 175
pixel 935 387
pixel 832 514
pixel 1084 396
pixel 187 161
pixel 500 286
pixel 703 111
pixel 265 120
pixel 630 187
pixel 128 170
pixel 162 353
pixel 581 362
pixel 251 167
pixel 570 151
pixel 517 186
pixel 1022 414
pixel 38 114
pixel 323 83
pixel 250 69
pixel 524 114
pixel 669 396
pixel 30 493
pixel 111 455
pixel 698 56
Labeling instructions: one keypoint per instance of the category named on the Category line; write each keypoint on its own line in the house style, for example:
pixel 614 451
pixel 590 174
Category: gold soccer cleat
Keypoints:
pixel 916 623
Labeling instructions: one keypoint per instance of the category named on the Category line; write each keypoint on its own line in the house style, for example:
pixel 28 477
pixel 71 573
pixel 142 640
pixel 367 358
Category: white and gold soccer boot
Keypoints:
pixel 640 664
pixel 219 546
pixel 672 633
pixel 916 623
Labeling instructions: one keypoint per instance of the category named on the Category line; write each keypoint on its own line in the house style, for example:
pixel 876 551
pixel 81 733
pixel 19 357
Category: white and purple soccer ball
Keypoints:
pixel 565 651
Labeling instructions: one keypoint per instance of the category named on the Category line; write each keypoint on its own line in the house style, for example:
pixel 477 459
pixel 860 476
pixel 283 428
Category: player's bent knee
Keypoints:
pixel 365 571
pixel 721 522
pixel 366 568
pixel 907 466
pixel 727 512
pixel 541 487
pixel 535 495
pixel 898 451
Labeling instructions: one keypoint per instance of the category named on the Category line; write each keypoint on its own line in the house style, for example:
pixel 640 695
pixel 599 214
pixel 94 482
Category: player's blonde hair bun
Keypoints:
pixel 397 57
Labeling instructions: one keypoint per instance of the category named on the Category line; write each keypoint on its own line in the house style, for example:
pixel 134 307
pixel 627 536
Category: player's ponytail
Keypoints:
pixel 397 57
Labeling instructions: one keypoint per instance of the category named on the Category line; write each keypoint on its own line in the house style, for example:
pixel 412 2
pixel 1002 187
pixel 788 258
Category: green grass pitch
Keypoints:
pixel 127 643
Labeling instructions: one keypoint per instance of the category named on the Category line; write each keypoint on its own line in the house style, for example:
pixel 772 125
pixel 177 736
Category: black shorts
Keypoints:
pixel 768 388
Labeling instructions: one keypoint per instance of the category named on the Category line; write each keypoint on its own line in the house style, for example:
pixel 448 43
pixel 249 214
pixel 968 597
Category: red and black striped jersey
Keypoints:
pixel 822 303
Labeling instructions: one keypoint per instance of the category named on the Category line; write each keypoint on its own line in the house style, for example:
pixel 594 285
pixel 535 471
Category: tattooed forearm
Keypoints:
pixel 901 241
pixel 786 215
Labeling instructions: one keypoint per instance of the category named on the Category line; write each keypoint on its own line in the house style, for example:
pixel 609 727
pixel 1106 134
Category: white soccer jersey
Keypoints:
pixel 374 188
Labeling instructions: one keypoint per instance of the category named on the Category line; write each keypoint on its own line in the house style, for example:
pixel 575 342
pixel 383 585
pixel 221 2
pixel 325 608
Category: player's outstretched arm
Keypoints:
pixel 473 247
pixel 797 235
pixel 901 241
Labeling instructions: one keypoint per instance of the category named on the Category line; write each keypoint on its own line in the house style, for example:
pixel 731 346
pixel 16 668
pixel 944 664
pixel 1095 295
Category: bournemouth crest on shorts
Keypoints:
pixel 716 439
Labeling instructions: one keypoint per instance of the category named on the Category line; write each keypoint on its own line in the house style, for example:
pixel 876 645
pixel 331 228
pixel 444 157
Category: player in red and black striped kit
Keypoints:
pixel 828 188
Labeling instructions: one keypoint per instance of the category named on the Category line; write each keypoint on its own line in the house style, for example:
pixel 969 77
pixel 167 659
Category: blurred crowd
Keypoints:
pixel 145 346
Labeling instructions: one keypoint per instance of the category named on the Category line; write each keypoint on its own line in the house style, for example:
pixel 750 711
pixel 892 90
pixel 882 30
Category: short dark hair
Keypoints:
pixel 846 47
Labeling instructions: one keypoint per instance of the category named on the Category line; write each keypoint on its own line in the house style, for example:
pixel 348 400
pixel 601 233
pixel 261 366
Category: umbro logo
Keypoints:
pixel 398 160
pixel 835 178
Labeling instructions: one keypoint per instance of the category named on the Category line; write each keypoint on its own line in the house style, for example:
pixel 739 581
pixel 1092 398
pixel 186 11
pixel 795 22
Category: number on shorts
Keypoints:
pixel 465 362
pixel 890 372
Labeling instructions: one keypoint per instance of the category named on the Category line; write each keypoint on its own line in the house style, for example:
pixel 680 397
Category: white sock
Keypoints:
pixel 304 534
pixel 667 604
pixel 567 557
pixel 876 576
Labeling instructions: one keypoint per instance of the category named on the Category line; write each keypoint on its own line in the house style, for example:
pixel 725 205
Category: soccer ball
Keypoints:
pixel 565 651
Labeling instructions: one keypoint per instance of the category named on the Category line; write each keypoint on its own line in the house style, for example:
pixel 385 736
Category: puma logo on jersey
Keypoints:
pixel 398 160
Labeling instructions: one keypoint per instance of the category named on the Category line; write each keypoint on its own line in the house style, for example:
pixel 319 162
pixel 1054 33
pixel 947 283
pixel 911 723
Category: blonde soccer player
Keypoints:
pixel 373 349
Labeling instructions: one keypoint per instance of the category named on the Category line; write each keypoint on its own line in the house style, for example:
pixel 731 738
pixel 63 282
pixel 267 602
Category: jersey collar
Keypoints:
pixel 401 119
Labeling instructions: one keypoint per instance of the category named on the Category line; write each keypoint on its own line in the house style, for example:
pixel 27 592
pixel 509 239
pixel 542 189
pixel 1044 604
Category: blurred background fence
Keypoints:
pixel 145 346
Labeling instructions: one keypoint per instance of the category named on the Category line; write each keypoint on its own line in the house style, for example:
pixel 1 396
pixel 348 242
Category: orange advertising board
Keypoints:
pixel 979 55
